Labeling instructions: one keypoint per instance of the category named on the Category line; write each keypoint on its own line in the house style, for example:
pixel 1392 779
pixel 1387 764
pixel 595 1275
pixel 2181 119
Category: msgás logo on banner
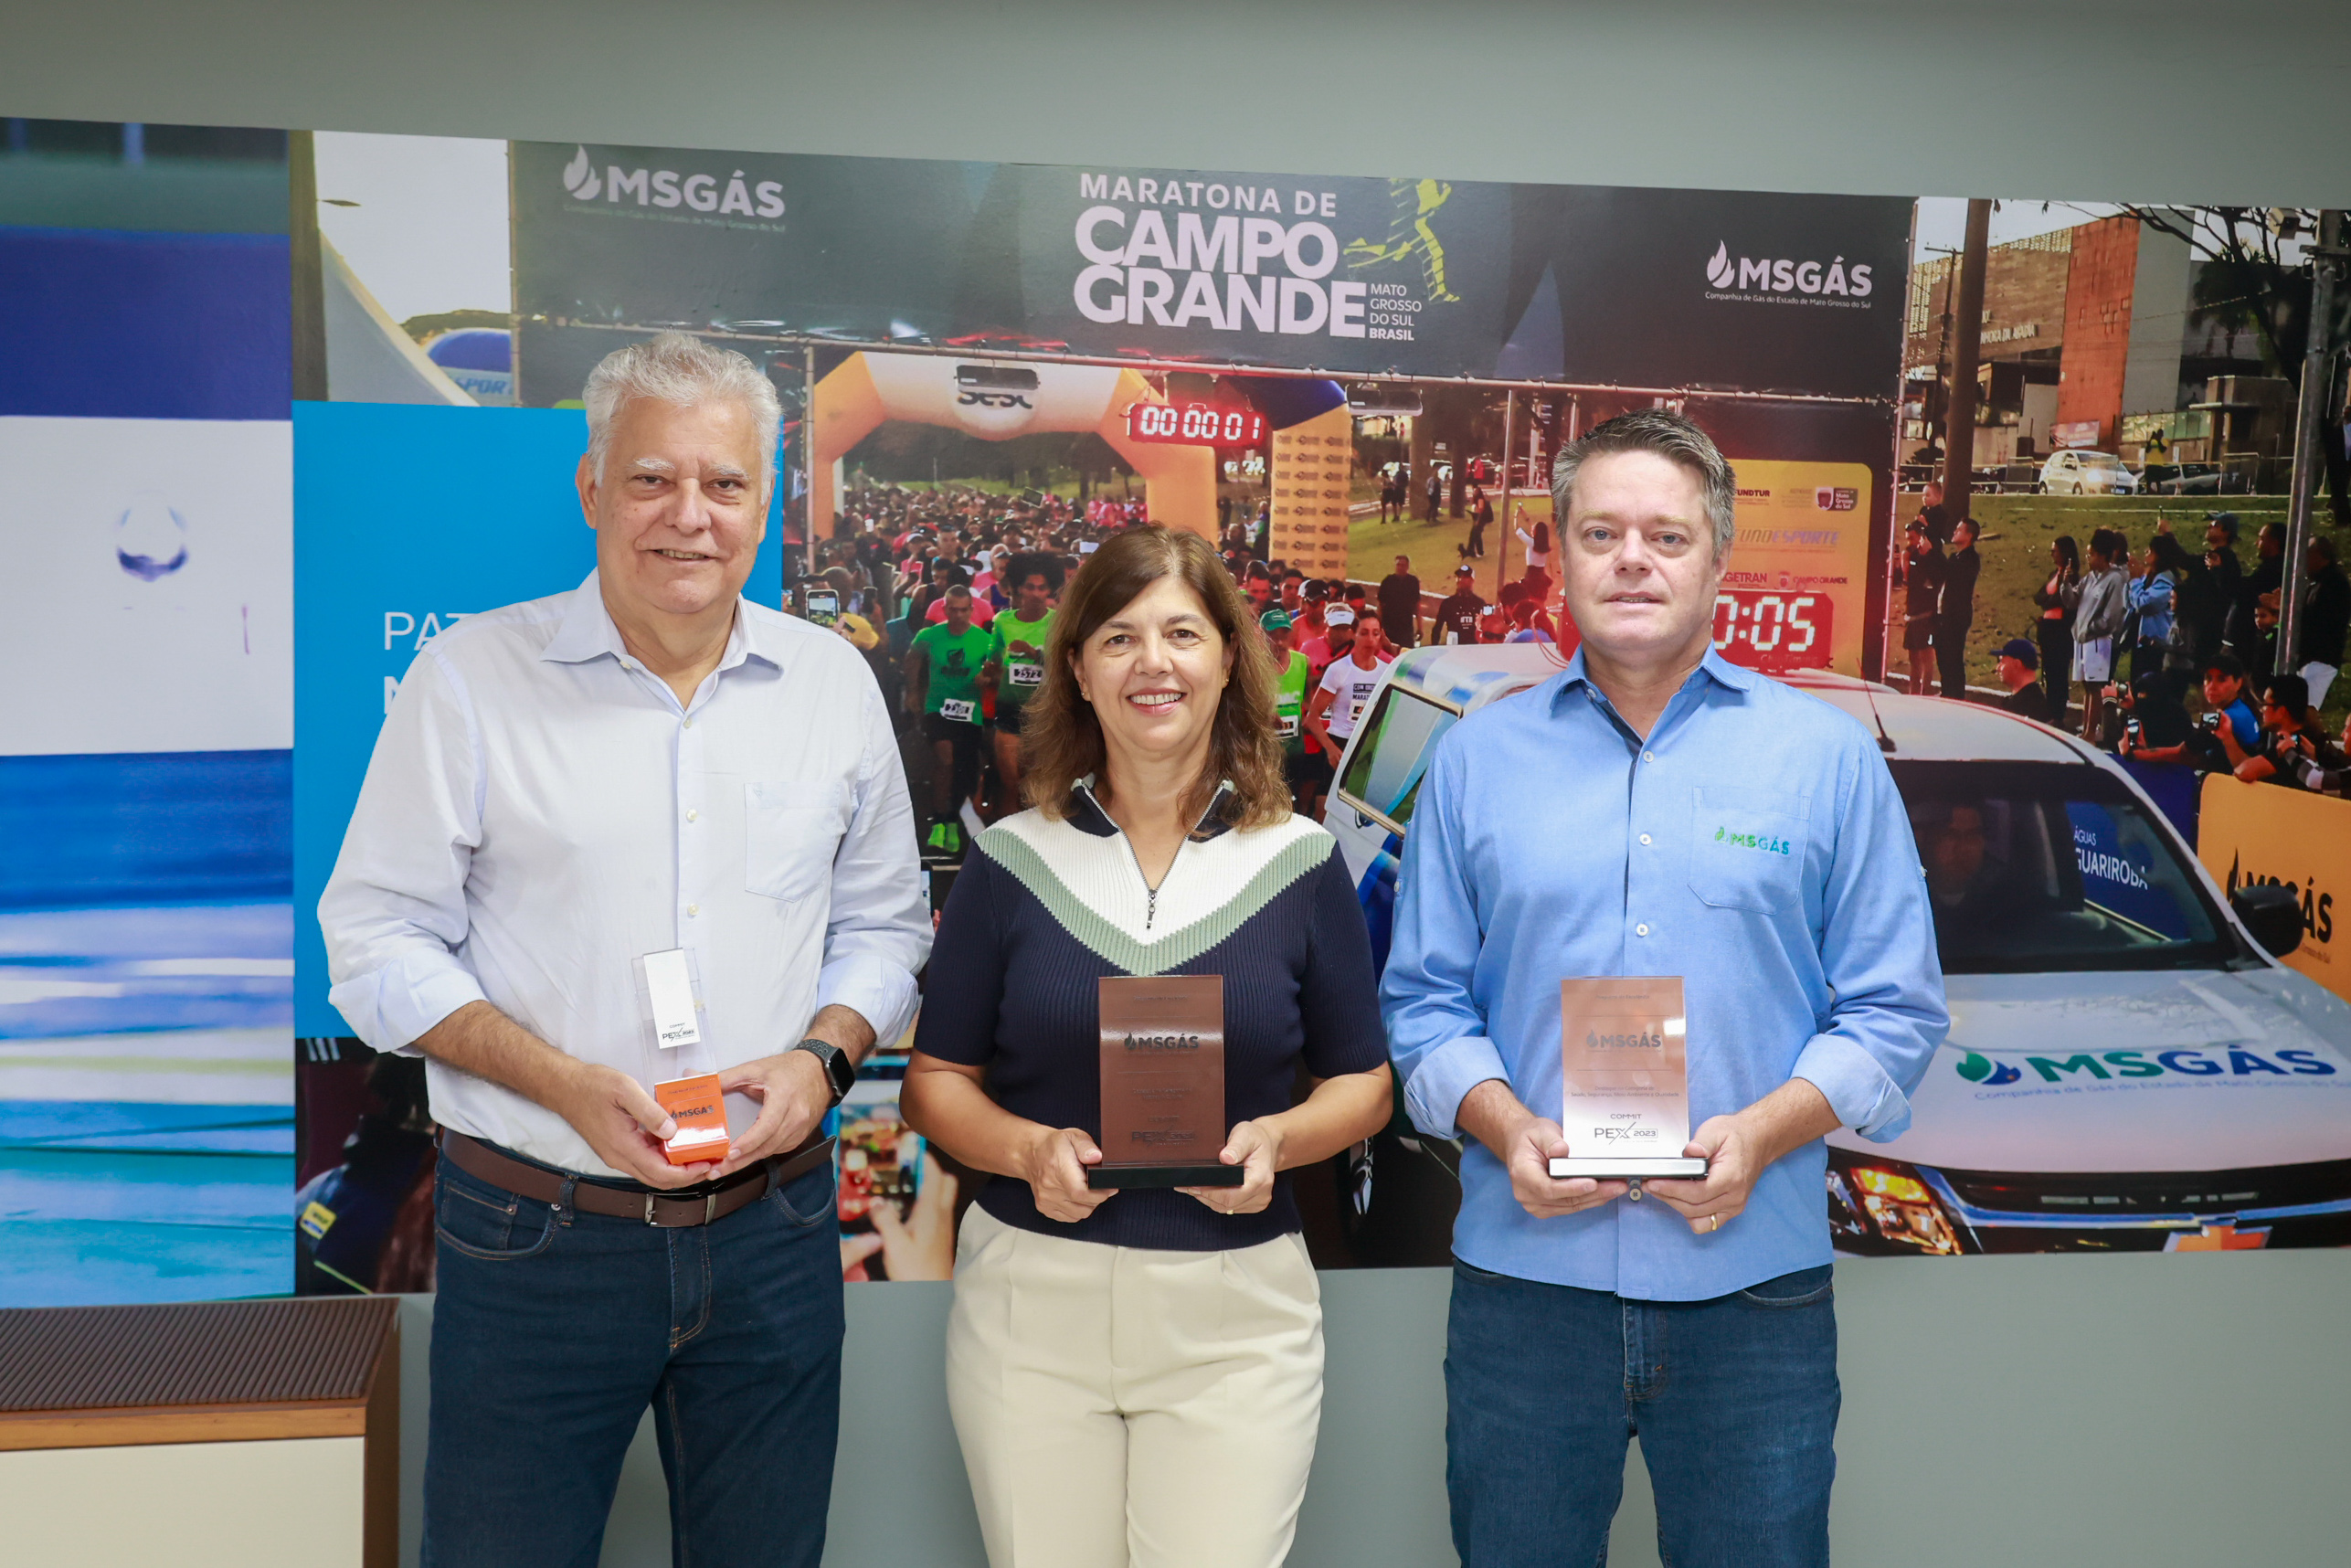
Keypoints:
pixel 2317 903
pixel 727 196
pixel 1780 280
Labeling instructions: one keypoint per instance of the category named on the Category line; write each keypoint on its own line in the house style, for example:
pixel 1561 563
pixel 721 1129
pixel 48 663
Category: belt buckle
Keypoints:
pixel 709 1211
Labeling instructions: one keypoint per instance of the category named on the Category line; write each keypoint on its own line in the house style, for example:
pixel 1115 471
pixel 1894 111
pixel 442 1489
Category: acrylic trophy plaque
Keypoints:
pixel 1163 1083
pixel 1625 1067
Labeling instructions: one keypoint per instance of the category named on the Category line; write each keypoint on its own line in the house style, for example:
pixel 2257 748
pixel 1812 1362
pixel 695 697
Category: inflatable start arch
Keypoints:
pixel 996 400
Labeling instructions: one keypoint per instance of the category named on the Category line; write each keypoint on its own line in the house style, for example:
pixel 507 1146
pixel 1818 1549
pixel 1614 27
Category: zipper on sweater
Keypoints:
pixel 1151 893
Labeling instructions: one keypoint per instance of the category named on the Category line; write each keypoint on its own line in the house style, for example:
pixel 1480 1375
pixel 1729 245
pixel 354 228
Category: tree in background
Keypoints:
pixel 2245 283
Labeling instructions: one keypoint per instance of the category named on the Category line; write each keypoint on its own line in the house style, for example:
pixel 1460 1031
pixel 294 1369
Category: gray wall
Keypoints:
pixel 2080 1410
pixel 2020 1411
pixel 2114 100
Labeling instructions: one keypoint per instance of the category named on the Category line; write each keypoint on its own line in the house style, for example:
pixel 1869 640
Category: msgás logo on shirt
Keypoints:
pixel 1764 842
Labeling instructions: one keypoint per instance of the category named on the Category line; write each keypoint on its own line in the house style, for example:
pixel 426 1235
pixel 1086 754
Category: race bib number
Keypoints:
pixel 960 710
pixel 1287 724
pixel 1026 674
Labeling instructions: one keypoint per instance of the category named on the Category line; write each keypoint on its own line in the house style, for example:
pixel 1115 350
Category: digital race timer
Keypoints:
pixel 1767 631
pixel 1195 424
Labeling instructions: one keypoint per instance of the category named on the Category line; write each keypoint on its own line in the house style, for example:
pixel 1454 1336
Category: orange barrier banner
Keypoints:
pixel 2268 833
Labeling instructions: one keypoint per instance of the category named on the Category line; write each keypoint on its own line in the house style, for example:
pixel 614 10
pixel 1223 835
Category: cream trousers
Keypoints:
pixel 1122 1406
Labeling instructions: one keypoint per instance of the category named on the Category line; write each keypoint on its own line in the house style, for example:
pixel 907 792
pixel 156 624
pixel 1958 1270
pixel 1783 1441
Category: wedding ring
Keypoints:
pixel 1716 1226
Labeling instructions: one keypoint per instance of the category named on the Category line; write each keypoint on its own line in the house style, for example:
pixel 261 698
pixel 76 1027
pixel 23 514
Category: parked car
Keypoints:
pixel 2076 473
pixel 2129 1066
pixel 2193 479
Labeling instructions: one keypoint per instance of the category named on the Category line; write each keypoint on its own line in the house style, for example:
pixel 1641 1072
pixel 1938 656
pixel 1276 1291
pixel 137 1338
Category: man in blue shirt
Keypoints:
pixel 1608 822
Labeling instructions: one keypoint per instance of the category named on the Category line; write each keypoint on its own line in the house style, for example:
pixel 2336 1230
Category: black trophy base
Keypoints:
pixel 1100 1176
pixel 1625 1168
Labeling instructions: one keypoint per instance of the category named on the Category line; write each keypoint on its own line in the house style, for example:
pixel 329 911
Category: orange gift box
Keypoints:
pixel 700 1111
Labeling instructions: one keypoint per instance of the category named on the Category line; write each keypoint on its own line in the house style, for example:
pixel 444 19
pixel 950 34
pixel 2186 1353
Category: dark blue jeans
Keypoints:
pixel 553 1330
pixel 1734 1400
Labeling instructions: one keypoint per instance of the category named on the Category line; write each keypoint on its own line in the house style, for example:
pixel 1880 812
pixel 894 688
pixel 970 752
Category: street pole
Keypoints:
pixel 1502 546
pixel 2326 265
pixel 1967 333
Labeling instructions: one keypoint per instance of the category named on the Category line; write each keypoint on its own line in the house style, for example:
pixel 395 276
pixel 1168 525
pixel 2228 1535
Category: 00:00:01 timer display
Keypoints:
pixel 1195 424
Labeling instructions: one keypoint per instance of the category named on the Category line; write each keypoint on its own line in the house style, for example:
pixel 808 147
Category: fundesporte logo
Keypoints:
pixel 1787 279
pixel 583 181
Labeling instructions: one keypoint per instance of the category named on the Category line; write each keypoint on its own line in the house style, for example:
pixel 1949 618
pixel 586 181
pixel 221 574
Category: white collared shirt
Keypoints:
pixel 540 812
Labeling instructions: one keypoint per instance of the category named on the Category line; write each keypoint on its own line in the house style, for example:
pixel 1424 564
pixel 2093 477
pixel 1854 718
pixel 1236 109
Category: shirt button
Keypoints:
pixel 689 724
pixel 1637 930
pixel 694 816
pixel 693 909
pixel 1645 756
pixel 1645 838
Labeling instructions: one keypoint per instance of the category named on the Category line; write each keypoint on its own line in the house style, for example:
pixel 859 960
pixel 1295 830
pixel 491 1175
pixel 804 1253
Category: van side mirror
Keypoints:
pixel 2271 913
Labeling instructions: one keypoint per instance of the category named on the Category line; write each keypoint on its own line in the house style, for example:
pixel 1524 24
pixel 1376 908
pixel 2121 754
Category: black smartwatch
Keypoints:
pixel 840 1072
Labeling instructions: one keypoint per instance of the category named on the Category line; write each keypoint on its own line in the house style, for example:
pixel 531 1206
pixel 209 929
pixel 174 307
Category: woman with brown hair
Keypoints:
pixel 1136 1373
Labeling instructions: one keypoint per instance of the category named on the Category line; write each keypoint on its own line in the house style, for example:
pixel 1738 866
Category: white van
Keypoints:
pixel 2127 1068
pixel 2076 473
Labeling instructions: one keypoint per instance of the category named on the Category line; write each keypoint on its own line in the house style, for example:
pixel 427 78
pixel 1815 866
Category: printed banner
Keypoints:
pixel 1418 276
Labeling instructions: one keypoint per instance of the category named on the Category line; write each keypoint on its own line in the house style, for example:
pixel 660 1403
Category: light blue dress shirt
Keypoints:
pixel 1549 841
pixel 541 810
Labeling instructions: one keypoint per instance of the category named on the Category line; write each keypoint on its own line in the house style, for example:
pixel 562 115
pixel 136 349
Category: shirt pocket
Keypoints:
pixel 790 833
pixel 1746 849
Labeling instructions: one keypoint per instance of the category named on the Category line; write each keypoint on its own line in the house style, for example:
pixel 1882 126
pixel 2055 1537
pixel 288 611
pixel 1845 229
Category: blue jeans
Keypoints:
pixel 1734 1400
pixel 553 1330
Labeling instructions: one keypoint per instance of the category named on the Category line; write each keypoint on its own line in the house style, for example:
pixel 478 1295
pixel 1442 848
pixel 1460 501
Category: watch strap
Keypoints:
pixel 840 1072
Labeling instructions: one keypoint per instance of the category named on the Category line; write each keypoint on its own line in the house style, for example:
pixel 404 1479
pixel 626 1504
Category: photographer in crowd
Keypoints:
pixel 2295 749
pixel 2228 734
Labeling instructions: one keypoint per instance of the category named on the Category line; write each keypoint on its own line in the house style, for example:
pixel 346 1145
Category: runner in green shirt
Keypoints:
pixel 1016 663
pixel 1298 766
pixel 943 682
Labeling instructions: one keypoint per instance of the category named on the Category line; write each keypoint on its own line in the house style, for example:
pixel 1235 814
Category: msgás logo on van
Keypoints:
pixel 2208 1061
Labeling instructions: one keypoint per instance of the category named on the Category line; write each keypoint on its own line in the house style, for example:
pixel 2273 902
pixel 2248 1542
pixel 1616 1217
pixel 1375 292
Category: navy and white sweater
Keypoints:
pixel 1047 908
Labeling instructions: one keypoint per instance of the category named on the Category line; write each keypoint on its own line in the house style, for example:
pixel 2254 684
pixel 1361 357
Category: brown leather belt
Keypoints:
pixel 697 1205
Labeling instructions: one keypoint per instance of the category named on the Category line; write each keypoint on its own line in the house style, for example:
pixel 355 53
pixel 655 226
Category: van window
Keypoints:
pixel 2048 867
pixel 1391 749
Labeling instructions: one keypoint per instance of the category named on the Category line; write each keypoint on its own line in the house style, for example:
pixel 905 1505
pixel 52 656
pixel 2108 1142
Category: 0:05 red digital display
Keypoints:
pixel 1768 632
pixel 1195 424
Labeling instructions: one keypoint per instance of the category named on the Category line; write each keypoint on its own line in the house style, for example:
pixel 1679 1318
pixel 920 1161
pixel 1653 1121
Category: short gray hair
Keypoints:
pixel 1673 437
pixel 683 371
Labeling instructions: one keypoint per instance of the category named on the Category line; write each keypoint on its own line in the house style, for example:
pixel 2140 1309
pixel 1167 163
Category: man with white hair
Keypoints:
pixel 564 795
pixel 1653 812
